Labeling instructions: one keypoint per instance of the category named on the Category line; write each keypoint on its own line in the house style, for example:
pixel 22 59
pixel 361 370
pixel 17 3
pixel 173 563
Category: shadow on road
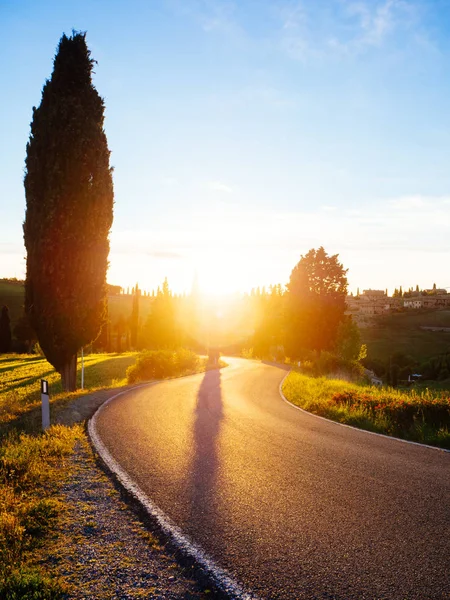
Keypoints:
pixel 205 465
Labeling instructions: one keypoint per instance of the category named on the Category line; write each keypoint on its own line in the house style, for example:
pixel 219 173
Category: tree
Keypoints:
pixel 161 328
pixel 5 331
pixel 316 297
pixel 24 333
pixel 348 340
pixel 69 194
pixel 134 319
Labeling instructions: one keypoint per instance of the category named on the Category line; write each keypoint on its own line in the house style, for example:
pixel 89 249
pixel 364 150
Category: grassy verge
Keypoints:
pixel 20 377
pixel 31 468
pixel 417 416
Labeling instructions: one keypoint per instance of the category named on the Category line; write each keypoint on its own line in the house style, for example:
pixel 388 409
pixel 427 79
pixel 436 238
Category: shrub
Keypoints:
pixel 185 360
pixel 159 364
pixel 29 584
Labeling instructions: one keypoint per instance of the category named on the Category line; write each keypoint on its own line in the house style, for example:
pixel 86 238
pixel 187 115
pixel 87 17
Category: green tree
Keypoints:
pixel 69 194
pixel 348 340
pixel 316 297
pixel 134 319
pixel 161 327
pixel 24 333
pixel 5 330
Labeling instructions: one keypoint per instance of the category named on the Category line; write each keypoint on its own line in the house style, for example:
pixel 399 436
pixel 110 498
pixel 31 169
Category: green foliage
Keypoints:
pixel 134 319
pixel 69 193
pixel 419 416
pixel 5 331
pixel 316 297
pixel 269 328
pixel 30 584
pixel 348 340
pixel 402 333
pixel 161 328
pixel 158 364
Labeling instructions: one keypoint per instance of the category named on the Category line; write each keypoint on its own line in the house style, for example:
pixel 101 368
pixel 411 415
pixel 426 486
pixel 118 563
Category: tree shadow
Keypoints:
pixel 25 381
pixel 205 465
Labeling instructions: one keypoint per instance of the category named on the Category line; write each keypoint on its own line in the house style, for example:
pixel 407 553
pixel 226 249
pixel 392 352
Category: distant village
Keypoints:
pixel 378 302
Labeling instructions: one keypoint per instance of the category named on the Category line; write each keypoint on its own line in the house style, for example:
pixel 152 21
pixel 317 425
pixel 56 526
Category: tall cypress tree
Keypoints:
pixel 69 194
pixel 134 320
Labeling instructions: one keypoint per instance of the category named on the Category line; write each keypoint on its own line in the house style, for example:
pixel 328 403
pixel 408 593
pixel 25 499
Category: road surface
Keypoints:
pixel 290 505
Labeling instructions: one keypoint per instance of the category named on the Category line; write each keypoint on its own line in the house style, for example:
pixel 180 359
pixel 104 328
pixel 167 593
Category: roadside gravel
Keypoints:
pixel 101 549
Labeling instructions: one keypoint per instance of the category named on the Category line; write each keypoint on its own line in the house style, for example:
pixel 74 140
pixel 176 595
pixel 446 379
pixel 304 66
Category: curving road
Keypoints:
pixel 291 505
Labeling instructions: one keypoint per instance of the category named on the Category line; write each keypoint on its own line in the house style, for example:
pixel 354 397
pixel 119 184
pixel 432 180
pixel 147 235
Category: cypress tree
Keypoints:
pixel 134 320
pixel 69 194
pixel 5 330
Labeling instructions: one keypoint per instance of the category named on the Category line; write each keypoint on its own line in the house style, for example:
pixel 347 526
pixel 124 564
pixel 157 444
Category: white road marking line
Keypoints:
pixel 221 578
pixel 387 437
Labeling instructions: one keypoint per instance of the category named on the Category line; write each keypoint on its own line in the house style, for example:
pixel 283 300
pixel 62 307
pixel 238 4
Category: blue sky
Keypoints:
pixel 245 133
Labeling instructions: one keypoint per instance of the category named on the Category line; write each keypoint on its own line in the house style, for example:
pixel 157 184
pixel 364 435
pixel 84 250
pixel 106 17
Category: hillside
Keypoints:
pixel 401 332
pixel 12 294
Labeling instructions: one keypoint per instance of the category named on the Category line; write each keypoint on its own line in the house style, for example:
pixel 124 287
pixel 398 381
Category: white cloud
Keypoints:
pixel 218 186
pixel 353 27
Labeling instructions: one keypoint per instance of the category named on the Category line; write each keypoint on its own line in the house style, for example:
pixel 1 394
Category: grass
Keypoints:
pixel 402 333
pixel 30 469
pixel 417 416
pixel 20 377
pixel 33 467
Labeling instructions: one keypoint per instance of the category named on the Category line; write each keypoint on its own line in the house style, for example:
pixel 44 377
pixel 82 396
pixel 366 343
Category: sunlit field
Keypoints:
pixel 20 377
pixel 418 416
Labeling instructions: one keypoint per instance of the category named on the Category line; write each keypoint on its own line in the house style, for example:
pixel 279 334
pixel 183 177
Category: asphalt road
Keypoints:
pixel 291 505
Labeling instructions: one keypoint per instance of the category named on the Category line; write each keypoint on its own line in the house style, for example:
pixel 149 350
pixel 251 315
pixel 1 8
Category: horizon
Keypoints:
pixel 244 135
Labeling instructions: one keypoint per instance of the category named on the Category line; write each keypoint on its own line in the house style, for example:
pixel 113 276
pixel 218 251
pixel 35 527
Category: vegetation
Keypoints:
pixel 402 333
pixel 418 416
pixel 20 384
pixel 69 193
pixel 5 331
pixel 159 364
pixel 30 468
pixel 316 297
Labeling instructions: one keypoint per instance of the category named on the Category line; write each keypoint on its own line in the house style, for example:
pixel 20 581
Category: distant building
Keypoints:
pixel 413 303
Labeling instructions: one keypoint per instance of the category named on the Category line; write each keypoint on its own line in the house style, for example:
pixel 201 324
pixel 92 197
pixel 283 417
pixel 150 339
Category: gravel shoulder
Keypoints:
pixel 101 549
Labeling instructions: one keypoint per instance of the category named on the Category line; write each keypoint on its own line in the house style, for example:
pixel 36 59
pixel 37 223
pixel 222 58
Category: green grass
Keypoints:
pixel 401 332
pixel 418 416
pixel 30 469
pixel 20 377
pixel 33 466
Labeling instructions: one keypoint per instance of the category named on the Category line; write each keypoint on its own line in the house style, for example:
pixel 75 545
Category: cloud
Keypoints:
pixel 218 186
pixel 344 28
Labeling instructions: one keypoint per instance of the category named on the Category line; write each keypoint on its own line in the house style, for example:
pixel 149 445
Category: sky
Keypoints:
pixel 244 133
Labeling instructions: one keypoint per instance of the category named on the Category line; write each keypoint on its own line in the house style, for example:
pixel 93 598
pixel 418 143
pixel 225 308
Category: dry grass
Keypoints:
pixel 419 416
pixel 30 469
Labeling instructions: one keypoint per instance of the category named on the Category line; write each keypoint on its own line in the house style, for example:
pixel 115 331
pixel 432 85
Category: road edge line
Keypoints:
pixel 220 577
pixel 383 435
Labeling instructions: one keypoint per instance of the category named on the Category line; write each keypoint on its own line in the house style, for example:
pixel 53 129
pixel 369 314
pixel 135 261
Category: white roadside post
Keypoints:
pixel 45 404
